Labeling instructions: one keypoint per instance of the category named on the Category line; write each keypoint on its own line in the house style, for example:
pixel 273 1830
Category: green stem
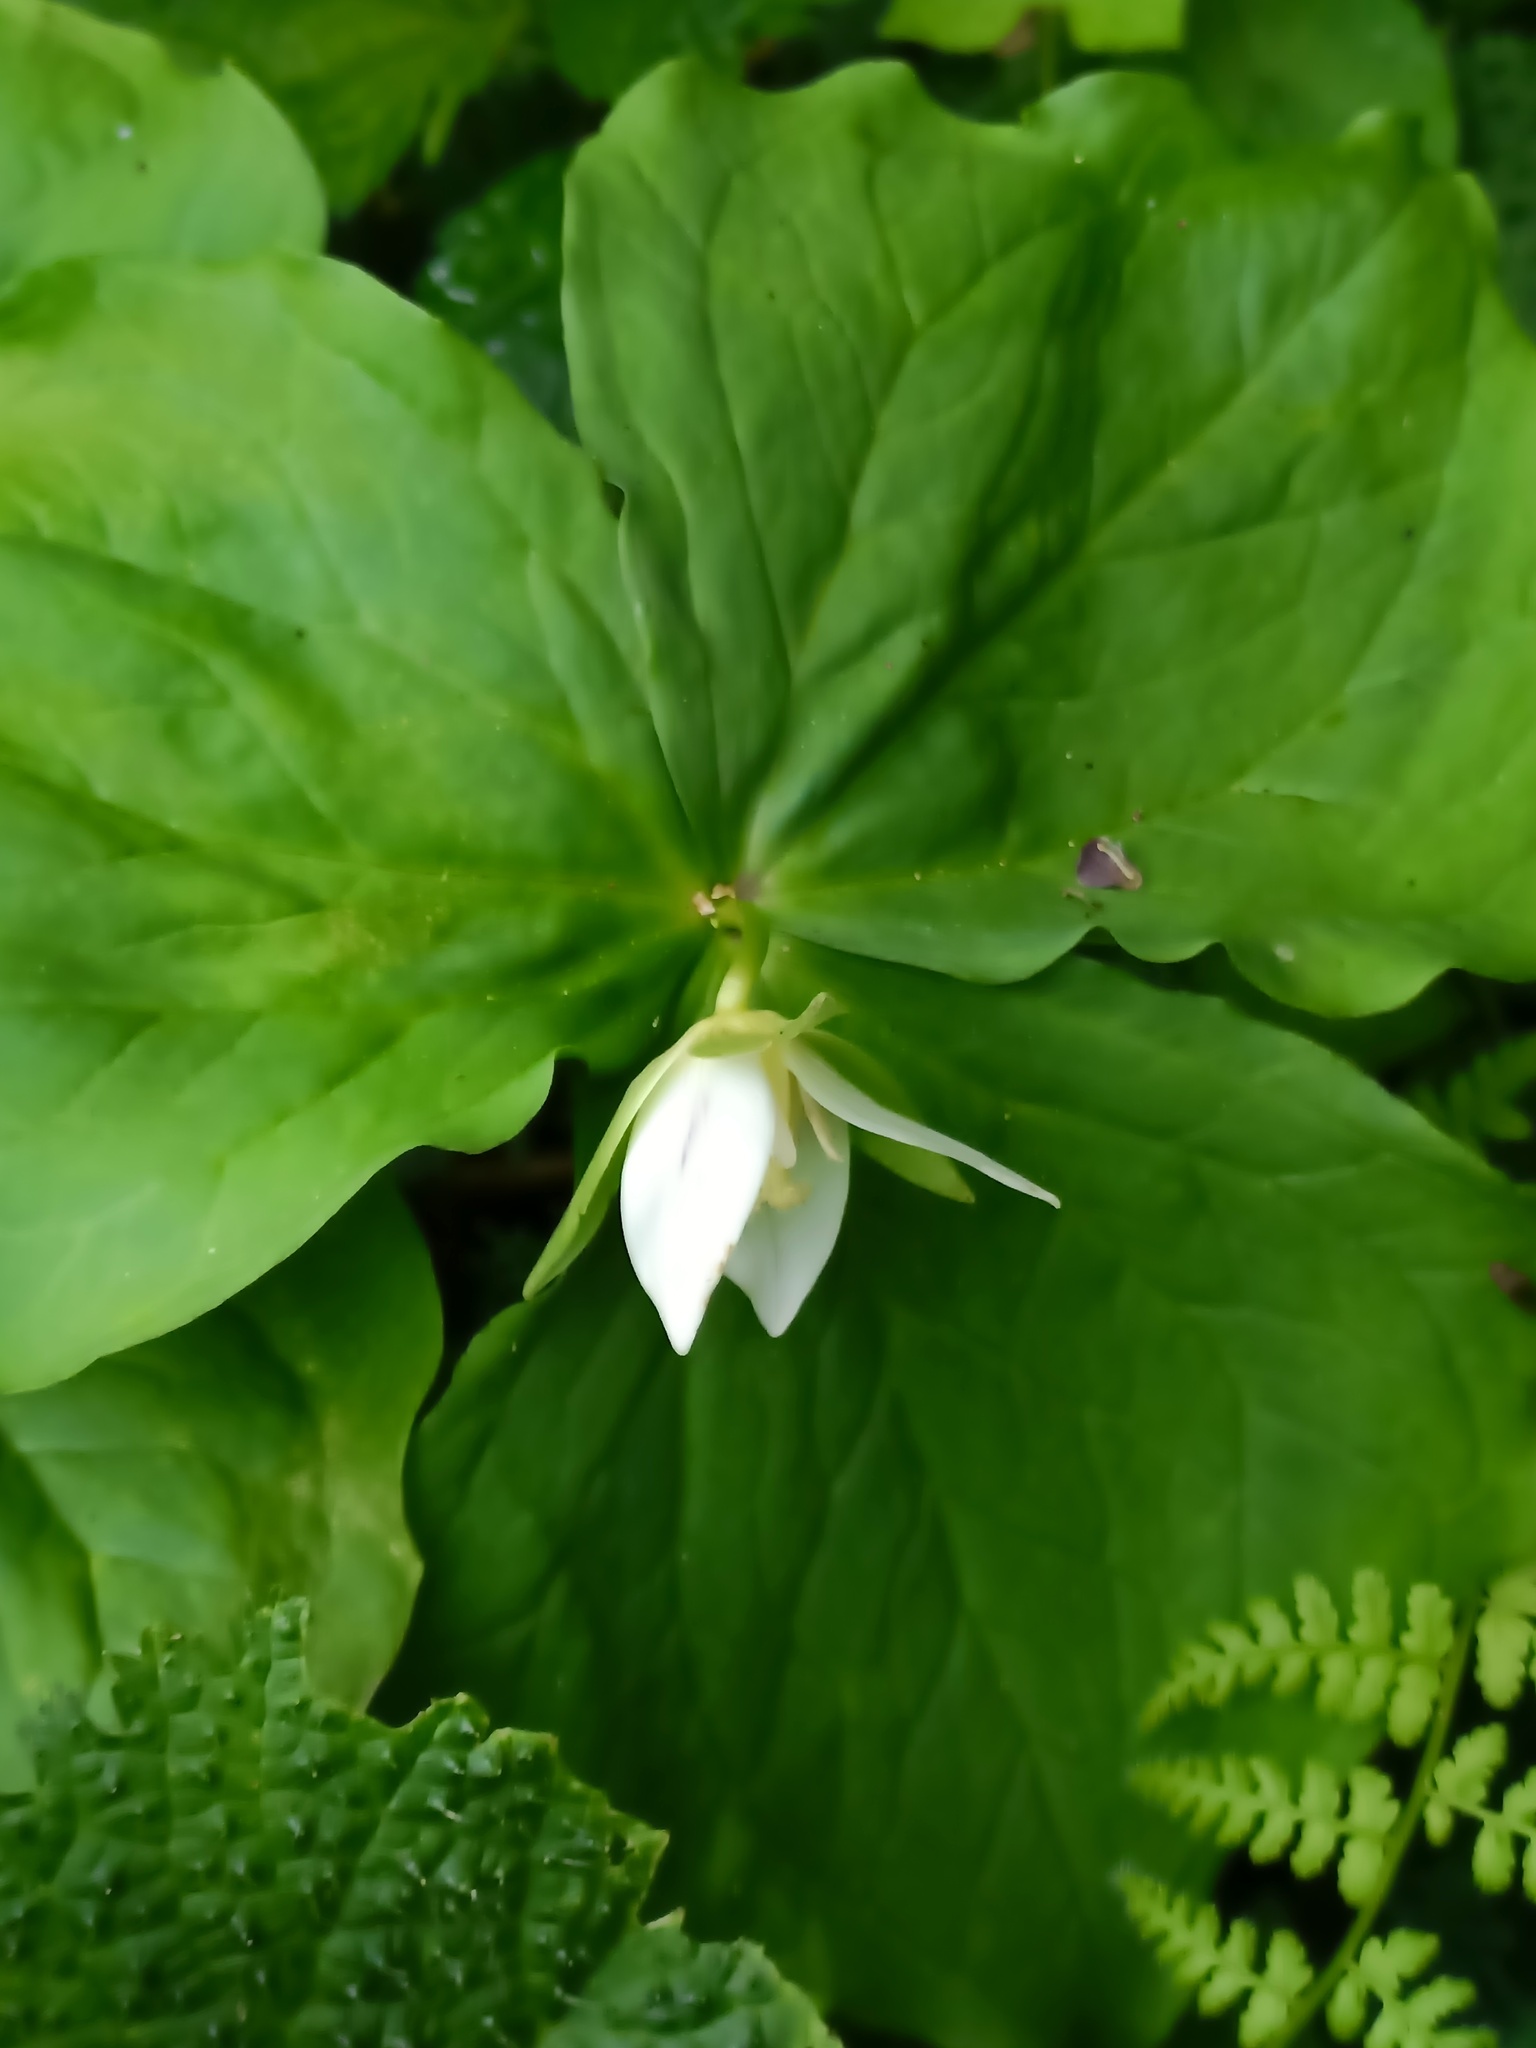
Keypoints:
pixel 1322 1989
pixel 745 930
pixel 1486 1817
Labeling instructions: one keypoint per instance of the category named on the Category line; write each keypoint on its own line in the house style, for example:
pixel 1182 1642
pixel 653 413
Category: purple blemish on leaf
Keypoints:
pixel 1102 864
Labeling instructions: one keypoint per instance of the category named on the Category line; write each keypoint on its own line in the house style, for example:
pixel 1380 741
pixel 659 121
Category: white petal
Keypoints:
pixel 782 1251
pixel 695 1166
pixel 852 1104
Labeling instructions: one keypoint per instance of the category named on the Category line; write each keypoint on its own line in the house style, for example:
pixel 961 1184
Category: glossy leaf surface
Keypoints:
pixel 990 492
pixel 866 1615
pixel 329 807
pixel 359 79
pixel 243 1860
pixel 256 1452
pixel 496 276
pixel 108 143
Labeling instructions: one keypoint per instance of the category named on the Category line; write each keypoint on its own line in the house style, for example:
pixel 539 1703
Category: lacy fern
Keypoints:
pixel 1358 1674
pixel 1462 1787
pixel 1360 1826
pixel 1220 1965
pixel 1506 1638
pixel 1481 1105
pixel 1247 1801
pixel 1404 2018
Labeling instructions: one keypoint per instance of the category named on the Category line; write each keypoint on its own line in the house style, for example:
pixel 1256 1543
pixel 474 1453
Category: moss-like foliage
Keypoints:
pixel 239 1862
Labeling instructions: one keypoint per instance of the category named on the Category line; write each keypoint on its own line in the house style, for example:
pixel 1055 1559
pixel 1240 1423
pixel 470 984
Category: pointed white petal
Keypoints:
pixel 594 1191
pixel 855 1107
pixel 782 1251
pixel 695 1166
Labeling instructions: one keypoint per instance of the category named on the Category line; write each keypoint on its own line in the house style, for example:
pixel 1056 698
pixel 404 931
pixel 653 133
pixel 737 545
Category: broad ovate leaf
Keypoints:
pixel 330 809
pixel 240 1859
pixel 990 493
pixel 866 1614
pixel 255 1453
pixel 359 79
pixel 110 143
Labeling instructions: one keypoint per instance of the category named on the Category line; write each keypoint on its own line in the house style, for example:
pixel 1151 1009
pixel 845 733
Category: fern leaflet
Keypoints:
pixel 1220 1966
pixel 1359 1675
pixel 1248 1801
pixel 1405 2019
pixel 1482 1102
pixel 1506 1638
pixel 1463 1785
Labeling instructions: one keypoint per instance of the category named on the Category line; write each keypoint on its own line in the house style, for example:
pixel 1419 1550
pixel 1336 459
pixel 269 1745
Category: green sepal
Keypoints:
pixel 922 1169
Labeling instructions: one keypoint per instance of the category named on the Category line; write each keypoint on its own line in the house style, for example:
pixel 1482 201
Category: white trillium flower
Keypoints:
pixel 737 1168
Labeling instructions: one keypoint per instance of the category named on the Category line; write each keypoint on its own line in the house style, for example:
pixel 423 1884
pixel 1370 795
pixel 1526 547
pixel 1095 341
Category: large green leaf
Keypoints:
pixel 866 1614
pixel 108 143
pixel 1285 71
pixel 255 1453
pixel 989 492
pixel 245 1862
pixel 359 79
pixel 329 804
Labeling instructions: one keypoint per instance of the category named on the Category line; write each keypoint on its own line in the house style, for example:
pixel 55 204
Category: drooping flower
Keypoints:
pixel 737 1168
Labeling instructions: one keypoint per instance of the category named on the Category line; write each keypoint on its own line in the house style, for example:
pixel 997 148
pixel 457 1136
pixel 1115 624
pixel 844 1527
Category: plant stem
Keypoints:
pixel 1397 1846
pixel 745 930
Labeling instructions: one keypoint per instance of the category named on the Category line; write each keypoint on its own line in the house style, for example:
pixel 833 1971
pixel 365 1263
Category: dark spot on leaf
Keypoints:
pixel 1517 1285
pixel 1102 864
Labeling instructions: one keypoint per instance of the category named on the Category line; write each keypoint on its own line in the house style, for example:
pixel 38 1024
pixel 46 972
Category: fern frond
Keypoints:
pixel 1359 1675
pixel 1220 1965
pixel 1463 1788
pixel 1506 1638
pixel 1248 1801
pixel 1405 2019
pixel 1482 1101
